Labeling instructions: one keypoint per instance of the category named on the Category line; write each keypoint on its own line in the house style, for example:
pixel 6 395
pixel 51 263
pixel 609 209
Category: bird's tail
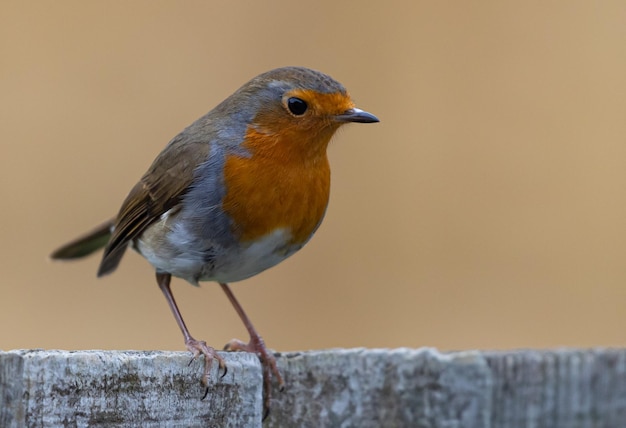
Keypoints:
pixel 86 244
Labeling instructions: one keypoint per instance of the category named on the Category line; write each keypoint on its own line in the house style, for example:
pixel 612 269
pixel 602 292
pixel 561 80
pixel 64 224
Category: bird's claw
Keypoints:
pixel 200 348
pixel 268 363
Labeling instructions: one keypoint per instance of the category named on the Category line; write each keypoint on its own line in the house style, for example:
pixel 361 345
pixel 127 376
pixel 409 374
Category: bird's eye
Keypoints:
pixel 297 106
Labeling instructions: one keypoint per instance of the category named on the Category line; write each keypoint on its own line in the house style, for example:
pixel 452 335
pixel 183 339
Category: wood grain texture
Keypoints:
pixel 353 387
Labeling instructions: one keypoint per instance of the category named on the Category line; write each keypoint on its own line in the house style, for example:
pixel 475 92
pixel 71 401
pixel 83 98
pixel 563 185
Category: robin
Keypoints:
pixel 236 192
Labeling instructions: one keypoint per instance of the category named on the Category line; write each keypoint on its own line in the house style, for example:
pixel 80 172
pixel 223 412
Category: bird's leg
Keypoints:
pixel 257 346
pixel 196 347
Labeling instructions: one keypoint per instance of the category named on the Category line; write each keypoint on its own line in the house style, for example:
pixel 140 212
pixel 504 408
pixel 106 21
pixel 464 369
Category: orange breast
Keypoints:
pixel 279 186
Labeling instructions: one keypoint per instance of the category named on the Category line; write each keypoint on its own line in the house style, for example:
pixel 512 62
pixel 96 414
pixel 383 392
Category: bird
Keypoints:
pixel 236 192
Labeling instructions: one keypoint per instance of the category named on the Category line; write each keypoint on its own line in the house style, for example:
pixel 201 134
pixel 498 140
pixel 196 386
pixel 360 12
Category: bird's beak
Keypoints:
pixel 356 115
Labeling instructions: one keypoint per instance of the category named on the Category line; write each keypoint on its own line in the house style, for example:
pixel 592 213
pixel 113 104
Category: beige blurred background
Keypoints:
pixel 486 210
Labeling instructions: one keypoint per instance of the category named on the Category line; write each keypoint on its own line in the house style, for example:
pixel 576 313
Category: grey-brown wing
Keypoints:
pixel 158 191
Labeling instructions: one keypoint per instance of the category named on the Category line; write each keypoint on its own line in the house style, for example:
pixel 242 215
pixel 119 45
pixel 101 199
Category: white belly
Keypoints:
pixel 180 257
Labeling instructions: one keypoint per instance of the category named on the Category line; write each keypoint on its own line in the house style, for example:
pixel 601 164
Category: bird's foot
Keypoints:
pixel 200 348
pixel 268 362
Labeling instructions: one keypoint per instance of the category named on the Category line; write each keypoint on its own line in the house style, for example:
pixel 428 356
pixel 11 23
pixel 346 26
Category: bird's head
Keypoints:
pixel 293 112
